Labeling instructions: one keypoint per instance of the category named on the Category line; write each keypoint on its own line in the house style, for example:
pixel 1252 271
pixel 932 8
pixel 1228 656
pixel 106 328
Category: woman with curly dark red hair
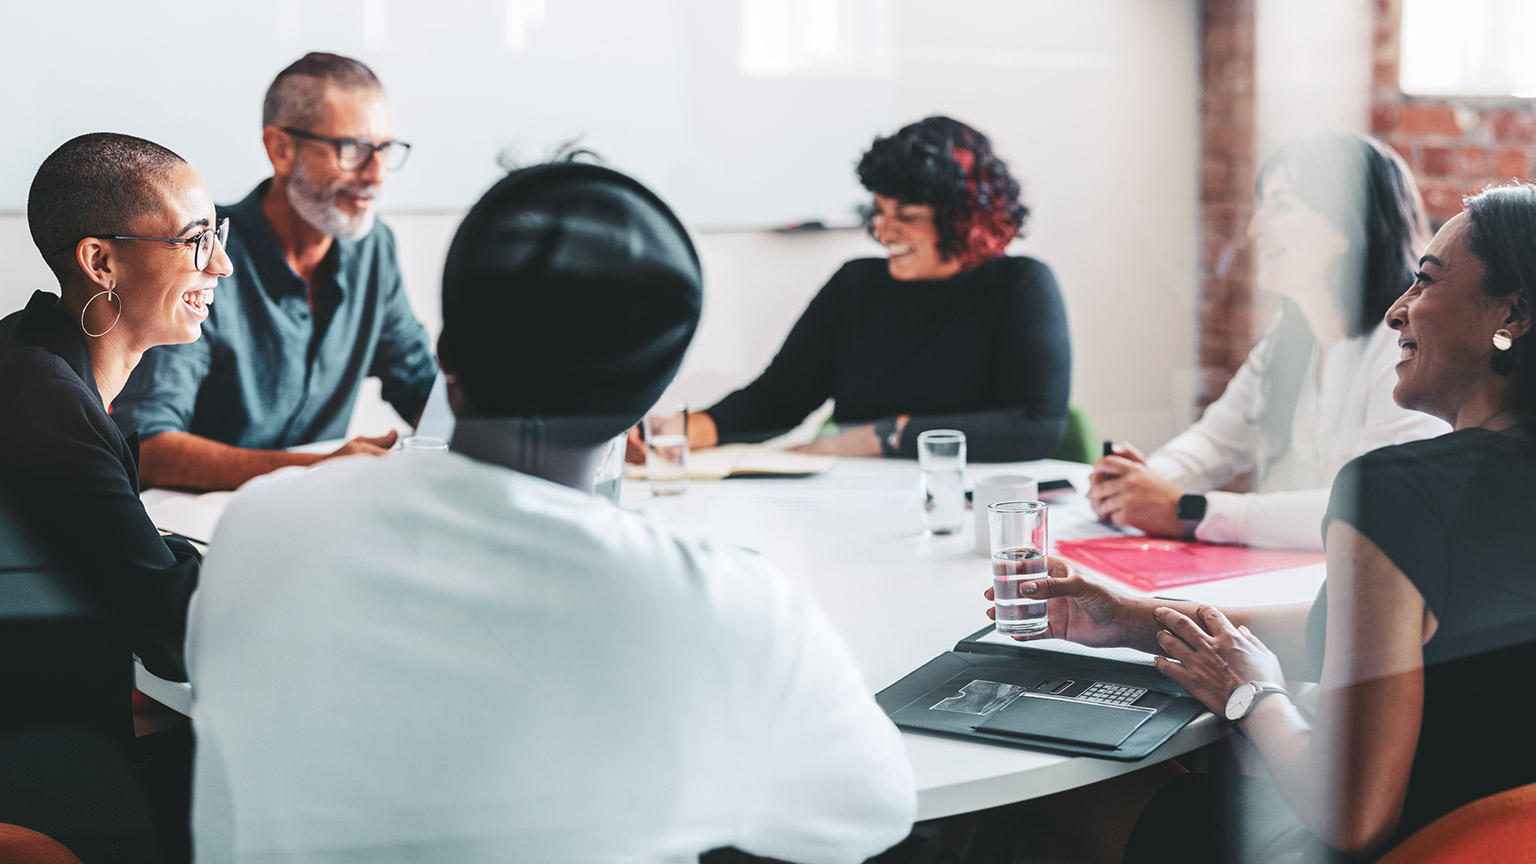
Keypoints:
pixel 945 333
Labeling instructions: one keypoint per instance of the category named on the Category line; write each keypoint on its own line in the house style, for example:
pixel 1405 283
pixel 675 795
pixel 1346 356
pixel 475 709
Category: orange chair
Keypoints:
pixel 24 846
pixel 1500 827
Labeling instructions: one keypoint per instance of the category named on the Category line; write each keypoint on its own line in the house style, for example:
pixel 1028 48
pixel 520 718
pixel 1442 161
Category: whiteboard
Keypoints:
pixel 740 113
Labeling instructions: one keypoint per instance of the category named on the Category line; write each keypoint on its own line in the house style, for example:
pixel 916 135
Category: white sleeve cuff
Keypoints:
pixel 1274 520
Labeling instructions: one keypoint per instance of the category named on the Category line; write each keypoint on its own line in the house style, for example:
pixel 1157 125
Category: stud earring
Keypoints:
pixel 1503 360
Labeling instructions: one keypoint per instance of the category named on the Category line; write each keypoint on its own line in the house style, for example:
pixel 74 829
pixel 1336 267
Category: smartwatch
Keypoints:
pixel 1240 703
pixel 1191 511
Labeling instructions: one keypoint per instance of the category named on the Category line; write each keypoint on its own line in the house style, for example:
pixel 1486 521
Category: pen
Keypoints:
pixel 1109 450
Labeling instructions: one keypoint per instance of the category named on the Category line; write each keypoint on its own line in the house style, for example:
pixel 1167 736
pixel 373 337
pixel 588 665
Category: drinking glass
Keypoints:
pixel 989 491
pixel 1019 546
pixel 423 444
pixel 610 471
pixel 665 430
pixel 941 456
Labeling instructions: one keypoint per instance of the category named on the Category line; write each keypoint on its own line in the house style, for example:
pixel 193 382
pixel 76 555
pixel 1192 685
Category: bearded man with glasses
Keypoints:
pixel 315 305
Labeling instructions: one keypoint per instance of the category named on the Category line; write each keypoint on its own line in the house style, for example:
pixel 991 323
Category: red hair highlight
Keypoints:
pixel 986 230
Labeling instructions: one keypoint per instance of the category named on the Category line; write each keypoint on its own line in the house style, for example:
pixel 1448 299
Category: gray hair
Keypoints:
pixel 295 95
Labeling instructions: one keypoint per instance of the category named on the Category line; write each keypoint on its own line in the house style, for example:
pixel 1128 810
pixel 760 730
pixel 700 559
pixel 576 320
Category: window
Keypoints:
pixel 1468 48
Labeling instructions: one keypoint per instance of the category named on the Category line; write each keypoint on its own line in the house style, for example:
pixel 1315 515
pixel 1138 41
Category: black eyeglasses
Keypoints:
pixel 354 154
pixel 201 242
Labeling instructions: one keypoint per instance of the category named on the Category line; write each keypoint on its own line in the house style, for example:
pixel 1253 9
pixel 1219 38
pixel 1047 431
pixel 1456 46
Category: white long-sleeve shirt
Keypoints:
pixel 1345 408
pixel 427 658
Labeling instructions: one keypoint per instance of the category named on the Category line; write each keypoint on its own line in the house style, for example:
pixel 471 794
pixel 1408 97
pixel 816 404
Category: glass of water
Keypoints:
pixel 665 430
pixel 941 456
pixel 1019 546
pixel 610 470
pixel 423 444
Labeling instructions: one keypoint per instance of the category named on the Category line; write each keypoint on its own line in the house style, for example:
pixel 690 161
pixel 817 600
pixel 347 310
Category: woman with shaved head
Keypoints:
pixel 129 230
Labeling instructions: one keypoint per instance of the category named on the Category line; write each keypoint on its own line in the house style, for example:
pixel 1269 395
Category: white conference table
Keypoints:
pixel 853 537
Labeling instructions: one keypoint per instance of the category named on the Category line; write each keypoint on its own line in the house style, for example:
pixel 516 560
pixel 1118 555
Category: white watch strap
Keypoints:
pixel 1260 690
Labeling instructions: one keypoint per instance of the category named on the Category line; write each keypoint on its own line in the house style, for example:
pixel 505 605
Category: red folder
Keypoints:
pixel 1150 563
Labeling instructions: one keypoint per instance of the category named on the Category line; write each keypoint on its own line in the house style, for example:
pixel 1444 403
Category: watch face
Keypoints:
pixel 1192 507
pixel 1240 701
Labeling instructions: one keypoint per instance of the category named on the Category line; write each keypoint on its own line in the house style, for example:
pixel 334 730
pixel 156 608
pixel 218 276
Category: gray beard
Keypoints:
pixel 317 205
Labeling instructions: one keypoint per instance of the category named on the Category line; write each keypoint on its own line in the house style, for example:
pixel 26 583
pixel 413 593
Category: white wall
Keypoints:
pixel 1094 104
pixel 1313 65
pixel 469 79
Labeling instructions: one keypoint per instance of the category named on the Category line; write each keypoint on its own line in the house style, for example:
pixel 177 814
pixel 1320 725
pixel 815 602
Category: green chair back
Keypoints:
pixel 1080 443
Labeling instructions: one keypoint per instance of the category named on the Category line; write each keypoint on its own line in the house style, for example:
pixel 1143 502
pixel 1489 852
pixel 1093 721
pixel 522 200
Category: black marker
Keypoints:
pixel 1109 450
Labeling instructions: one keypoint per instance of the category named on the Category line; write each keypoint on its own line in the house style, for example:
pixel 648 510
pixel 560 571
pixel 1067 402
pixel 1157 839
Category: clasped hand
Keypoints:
pixel 858 441
pixel 1210 657
pixel 1124 490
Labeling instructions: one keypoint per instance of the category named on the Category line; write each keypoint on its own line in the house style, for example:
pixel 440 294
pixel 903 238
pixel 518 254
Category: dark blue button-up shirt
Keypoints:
pixel 269 372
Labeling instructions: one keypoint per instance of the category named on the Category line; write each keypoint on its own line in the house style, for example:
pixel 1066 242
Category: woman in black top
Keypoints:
pixel 944 333
pixel 1424 635
pixel 129 230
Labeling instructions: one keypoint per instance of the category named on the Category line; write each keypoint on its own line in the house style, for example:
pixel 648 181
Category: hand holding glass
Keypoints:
pixel 1019 546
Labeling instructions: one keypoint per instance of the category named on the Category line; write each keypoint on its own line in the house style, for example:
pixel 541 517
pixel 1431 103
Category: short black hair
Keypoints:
pixel 293 98
pixel 93 184
pixel 1364 188
pixel 1503 237
pixel 570 291
pixel 949 166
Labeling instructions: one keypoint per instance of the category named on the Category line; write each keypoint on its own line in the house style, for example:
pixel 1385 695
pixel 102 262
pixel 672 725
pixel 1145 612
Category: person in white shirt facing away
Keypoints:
pixel 467 657
pixel 1335 236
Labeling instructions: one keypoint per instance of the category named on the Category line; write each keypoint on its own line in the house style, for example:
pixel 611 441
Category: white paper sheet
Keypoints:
pixel 192 517
pixel 718 463
pixel 1061 646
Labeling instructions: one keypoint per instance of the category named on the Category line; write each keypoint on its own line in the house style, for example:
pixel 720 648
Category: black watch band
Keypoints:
pixel 885 430
pixel 1191 511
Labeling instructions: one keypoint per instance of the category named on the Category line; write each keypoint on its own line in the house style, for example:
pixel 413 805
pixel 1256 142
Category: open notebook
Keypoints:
pixel 192 516
pixel 746 460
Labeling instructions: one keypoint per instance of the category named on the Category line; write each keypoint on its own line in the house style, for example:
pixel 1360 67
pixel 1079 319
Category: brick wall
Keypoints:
pixel 1227 164
pixel 1455 146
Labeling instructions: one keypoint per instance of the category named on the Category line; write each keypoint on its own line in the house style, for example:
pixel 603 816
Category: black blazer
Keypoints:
pixel 68 469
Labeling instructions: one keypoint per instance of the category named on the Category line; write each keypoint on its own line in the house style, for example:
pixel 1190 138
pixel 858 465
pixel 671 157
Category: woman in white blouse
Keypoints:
pixel 1339 219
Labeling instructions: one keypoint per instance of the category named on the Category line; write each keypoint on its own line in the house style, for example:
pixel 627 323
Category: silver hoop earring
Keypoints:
pixel 110 296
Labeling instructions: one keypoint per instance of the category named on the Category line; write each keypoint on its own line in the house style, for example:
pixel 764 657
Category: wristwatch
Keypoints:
pixel 1191 510
pixel 885 430
pixel 1240 703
